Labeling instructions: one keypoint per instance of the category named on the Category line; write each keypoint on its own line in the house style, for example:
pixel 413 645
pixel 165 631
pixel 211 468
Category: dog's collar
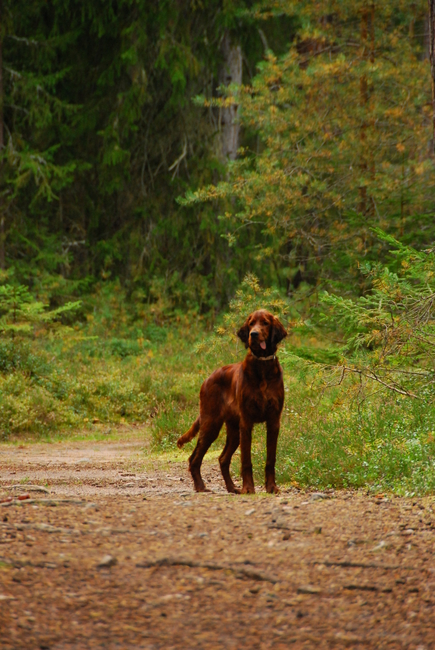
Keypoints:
pixel 272 356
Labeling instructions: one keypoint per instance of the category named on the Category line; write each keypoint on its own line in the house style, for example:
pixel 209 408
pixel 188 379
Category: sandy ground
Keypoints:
pixel 115 551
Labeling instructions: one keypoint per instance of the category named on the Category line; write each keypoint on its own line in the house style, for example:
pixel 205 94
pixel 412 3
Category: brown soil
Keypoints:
pixel 120 553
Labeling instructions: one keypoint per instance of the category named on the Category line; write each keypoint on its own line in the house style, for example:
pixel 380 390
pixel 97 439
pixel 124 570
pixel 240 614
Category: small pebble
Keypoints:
pixel 319 495
pixel 107 561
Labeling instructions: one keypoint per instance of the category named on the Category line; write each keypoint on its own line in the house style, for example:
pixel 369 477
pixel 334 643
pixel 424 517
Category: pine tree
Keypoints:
pixel 343 126
pixel 32 171
pixel 100 136
pixel 21 314
pixel 389 333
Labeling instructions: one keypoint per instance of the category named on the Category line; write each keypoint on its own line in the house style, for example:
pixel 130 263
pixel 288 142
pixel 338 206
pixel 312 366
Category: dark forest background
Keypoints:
pixel 99 136
pixel 299 128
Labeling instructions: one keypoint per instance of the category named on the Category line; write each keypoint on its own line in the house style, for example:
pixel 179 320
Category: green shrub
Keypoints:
pixel 123 347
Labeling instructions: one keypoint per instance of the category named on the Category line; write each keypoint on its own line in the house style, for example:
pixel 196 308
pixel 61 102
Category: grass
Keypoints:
pixel 109 371
pixel 58 385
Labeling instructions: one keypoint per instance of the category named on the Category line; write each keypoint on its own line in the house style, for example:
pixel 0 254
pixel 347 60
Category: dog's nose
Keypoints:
pixel 254 334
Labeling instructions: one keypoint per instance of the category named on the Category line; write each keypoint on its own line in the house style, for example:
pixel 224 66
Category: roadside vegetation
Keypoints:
pixel 341 427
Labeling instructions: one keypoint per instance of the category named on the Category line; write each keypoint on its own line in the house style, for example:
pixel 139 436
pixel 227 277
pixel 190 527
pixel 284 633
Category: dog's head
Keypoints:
pixel 262 332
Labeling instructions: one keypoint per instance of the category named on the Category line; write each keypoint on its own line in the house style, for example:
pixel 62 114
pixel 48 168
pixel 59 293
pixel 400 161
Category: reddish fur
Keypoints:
pixel 241 395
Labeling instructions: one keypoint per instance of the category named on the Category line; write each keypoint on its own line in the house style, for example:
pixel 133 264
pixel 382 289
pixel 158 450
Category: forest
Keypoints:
pixel 167 166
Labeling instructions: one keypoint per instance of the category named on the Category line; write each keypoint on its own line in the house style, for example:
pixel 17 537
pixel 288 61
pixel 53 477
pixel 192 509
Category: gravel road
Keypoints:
pixel 112 549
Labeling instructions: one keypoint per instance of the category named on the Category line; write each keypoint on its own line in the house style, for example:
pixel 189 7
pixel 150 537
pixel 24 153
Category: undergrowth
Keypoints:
pixel 113 368
pixel 330 439
pixel 52 385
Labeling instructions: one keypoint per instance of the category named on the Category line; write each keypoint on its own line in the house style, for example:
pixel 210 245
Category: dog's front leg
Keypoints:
pixel 245 452
pixel 272 426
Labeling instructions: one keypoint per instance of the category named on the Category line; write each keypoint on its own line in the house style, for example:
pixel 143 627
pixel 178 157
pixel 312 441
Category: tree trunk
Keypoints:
pixel 432 62
pixel 231 73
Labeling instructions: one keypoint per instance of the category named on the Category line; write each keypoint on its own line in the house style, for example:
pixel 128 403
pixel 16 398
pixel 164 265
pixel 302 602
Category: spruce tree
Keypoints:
pixel 343 129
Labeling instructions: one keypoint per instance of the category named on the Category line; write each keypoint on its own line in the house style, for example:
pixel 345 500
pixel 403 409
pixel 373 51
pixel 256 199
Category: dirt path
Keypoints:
pixel 119 553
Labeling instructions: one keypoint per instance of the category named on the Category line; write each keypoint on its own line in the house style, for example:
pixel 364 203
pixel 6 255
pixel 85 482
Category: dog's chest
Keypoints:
pixel 259 401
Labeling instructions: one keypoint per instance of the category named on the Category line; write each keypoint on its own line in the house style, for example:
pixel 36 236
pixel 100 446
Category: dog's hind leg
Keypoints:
pixel 209 433
pixel 189 435
pixel 233 439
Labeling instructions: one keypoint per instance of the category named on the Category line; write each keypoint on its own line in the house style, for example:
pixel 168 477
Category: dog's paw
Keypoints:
pixel 202 488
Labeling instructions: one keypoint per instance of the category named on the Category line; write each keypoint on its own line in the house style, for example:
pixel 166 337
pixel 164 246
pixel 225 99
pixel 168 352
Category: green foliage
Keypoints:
pixel 101 136
pixel 108 368
pixel 22 356
pixel 21 314
pixel 339 129
pixel 224 346
pixel 388 444
pixel 389 333
pixel 32 169
pixel 114 368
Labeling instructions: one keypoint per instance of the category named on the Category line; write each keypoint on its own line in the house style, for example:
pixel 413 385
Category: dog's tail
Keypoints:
pixel 189 435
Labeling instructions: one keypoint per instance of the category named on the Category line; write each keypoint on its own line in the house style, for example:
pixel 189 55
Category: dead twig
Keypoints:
pixel 18 564
pixel 43 502
pixel 47 528
pixel 360 565
pixel 370 374
pixel 244 572
pixel 26 487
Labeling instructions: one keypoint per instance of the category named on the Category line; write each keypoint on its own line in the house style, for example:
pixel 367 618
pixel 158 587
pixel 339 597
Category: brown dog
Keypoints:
pixel 241 395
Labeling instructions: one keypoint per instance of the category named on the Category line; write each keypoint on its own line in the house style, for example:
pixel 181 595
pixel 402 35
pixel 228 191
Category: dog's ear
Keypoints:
pixel 278 332
pixel 243 333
